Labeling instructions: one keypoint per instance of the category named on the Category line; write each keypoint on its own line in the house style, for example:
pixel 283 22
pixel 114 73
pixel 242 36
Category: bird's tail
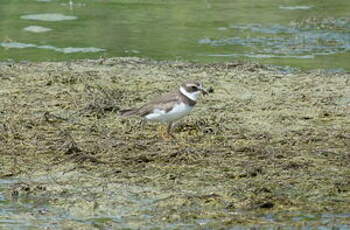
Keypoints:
pixel 128 112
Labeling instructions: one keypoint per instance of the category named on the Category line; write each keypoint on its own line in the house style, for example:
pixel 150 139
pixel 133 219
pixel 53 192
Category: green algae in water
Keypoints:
pixel 322 44
pixel 48 17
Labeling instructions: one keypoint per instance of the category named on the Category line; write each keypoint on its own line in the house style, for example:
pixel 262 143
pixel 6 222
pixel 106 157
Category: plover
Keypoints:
pixel 170 107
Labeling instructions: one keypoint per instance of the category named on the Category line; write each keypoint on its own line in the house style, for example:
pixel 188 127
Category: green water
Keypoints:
pixel 304 34
pixel 129 207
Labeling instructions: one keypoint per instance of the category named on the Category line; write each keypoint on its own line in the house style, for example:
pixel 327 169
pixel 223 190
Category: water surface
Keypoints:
pixel 121 206
pixel 304 34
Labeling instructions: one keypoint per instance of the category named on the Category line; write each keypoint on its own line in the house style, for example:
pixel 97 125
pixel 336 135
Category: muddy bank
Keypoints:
pixel 266 148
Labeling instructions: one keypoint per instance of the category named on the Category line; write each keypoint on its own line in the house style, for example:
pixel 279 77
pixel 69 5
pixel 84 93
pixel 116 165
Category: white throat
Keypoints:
pixel 193 96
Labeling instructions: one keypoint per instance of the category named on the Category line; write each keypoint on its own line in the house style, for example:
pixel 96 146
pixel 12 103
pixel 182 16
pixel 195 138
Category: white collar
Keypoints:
pixel 193 96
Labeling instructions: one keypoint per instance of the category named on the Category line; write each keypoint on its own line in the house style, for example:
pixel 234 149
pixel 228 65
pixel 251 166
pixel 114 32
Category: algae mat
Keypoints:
pixel 266 149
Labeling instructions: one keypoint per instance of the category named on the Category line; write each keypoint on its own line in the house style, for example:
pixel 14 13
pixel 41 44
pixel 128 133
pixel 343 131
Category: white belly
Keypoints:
pixel 179 111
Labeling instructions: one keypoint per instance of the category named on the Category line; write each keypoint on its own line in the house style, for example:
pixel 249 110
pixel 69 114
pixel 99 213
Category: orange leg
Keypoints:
pixel 166 135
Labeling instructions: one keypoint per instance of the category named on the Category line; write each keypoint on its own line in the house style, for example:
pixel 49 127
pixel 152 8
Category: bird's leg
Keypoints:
pixel 168 129
pixel 169 134
pixel 142 123
pixel 160 131
pixel 164 135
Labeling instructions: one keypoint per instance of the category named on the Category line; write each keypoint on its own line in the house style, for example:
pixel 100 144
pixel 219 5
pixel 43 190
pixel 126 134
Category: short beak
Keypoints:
pixel 204 91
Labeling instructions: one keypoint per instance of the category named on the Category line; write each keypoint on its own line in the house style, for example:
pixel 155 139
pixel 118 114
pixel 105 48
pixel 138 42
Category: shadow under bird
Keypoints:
pixel 170 107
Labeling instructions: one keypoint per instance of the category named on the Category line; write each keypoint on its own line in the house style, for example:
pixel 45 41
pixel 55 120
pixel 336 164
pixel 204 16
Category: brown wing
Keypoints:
pixel 128 112
pixel 163 102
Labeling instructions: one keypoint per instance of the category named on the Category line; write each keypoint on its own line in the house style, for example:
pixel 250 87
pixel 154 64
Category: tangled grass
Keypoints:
pixel 264 141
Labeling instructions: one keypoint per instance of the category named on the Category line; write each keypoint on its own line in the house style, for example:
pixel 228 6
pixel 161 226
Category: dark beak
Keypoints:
pixel 204 91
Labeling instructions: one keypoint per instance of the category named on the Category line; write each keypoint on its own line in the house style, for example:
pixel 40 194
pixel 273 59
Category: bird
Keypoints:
pixel 171 106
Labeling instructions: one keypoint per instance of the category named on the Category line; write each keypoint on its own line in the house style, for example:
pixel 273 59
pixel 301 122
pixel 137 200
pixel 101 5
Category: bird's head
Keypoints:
pixel 192 89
